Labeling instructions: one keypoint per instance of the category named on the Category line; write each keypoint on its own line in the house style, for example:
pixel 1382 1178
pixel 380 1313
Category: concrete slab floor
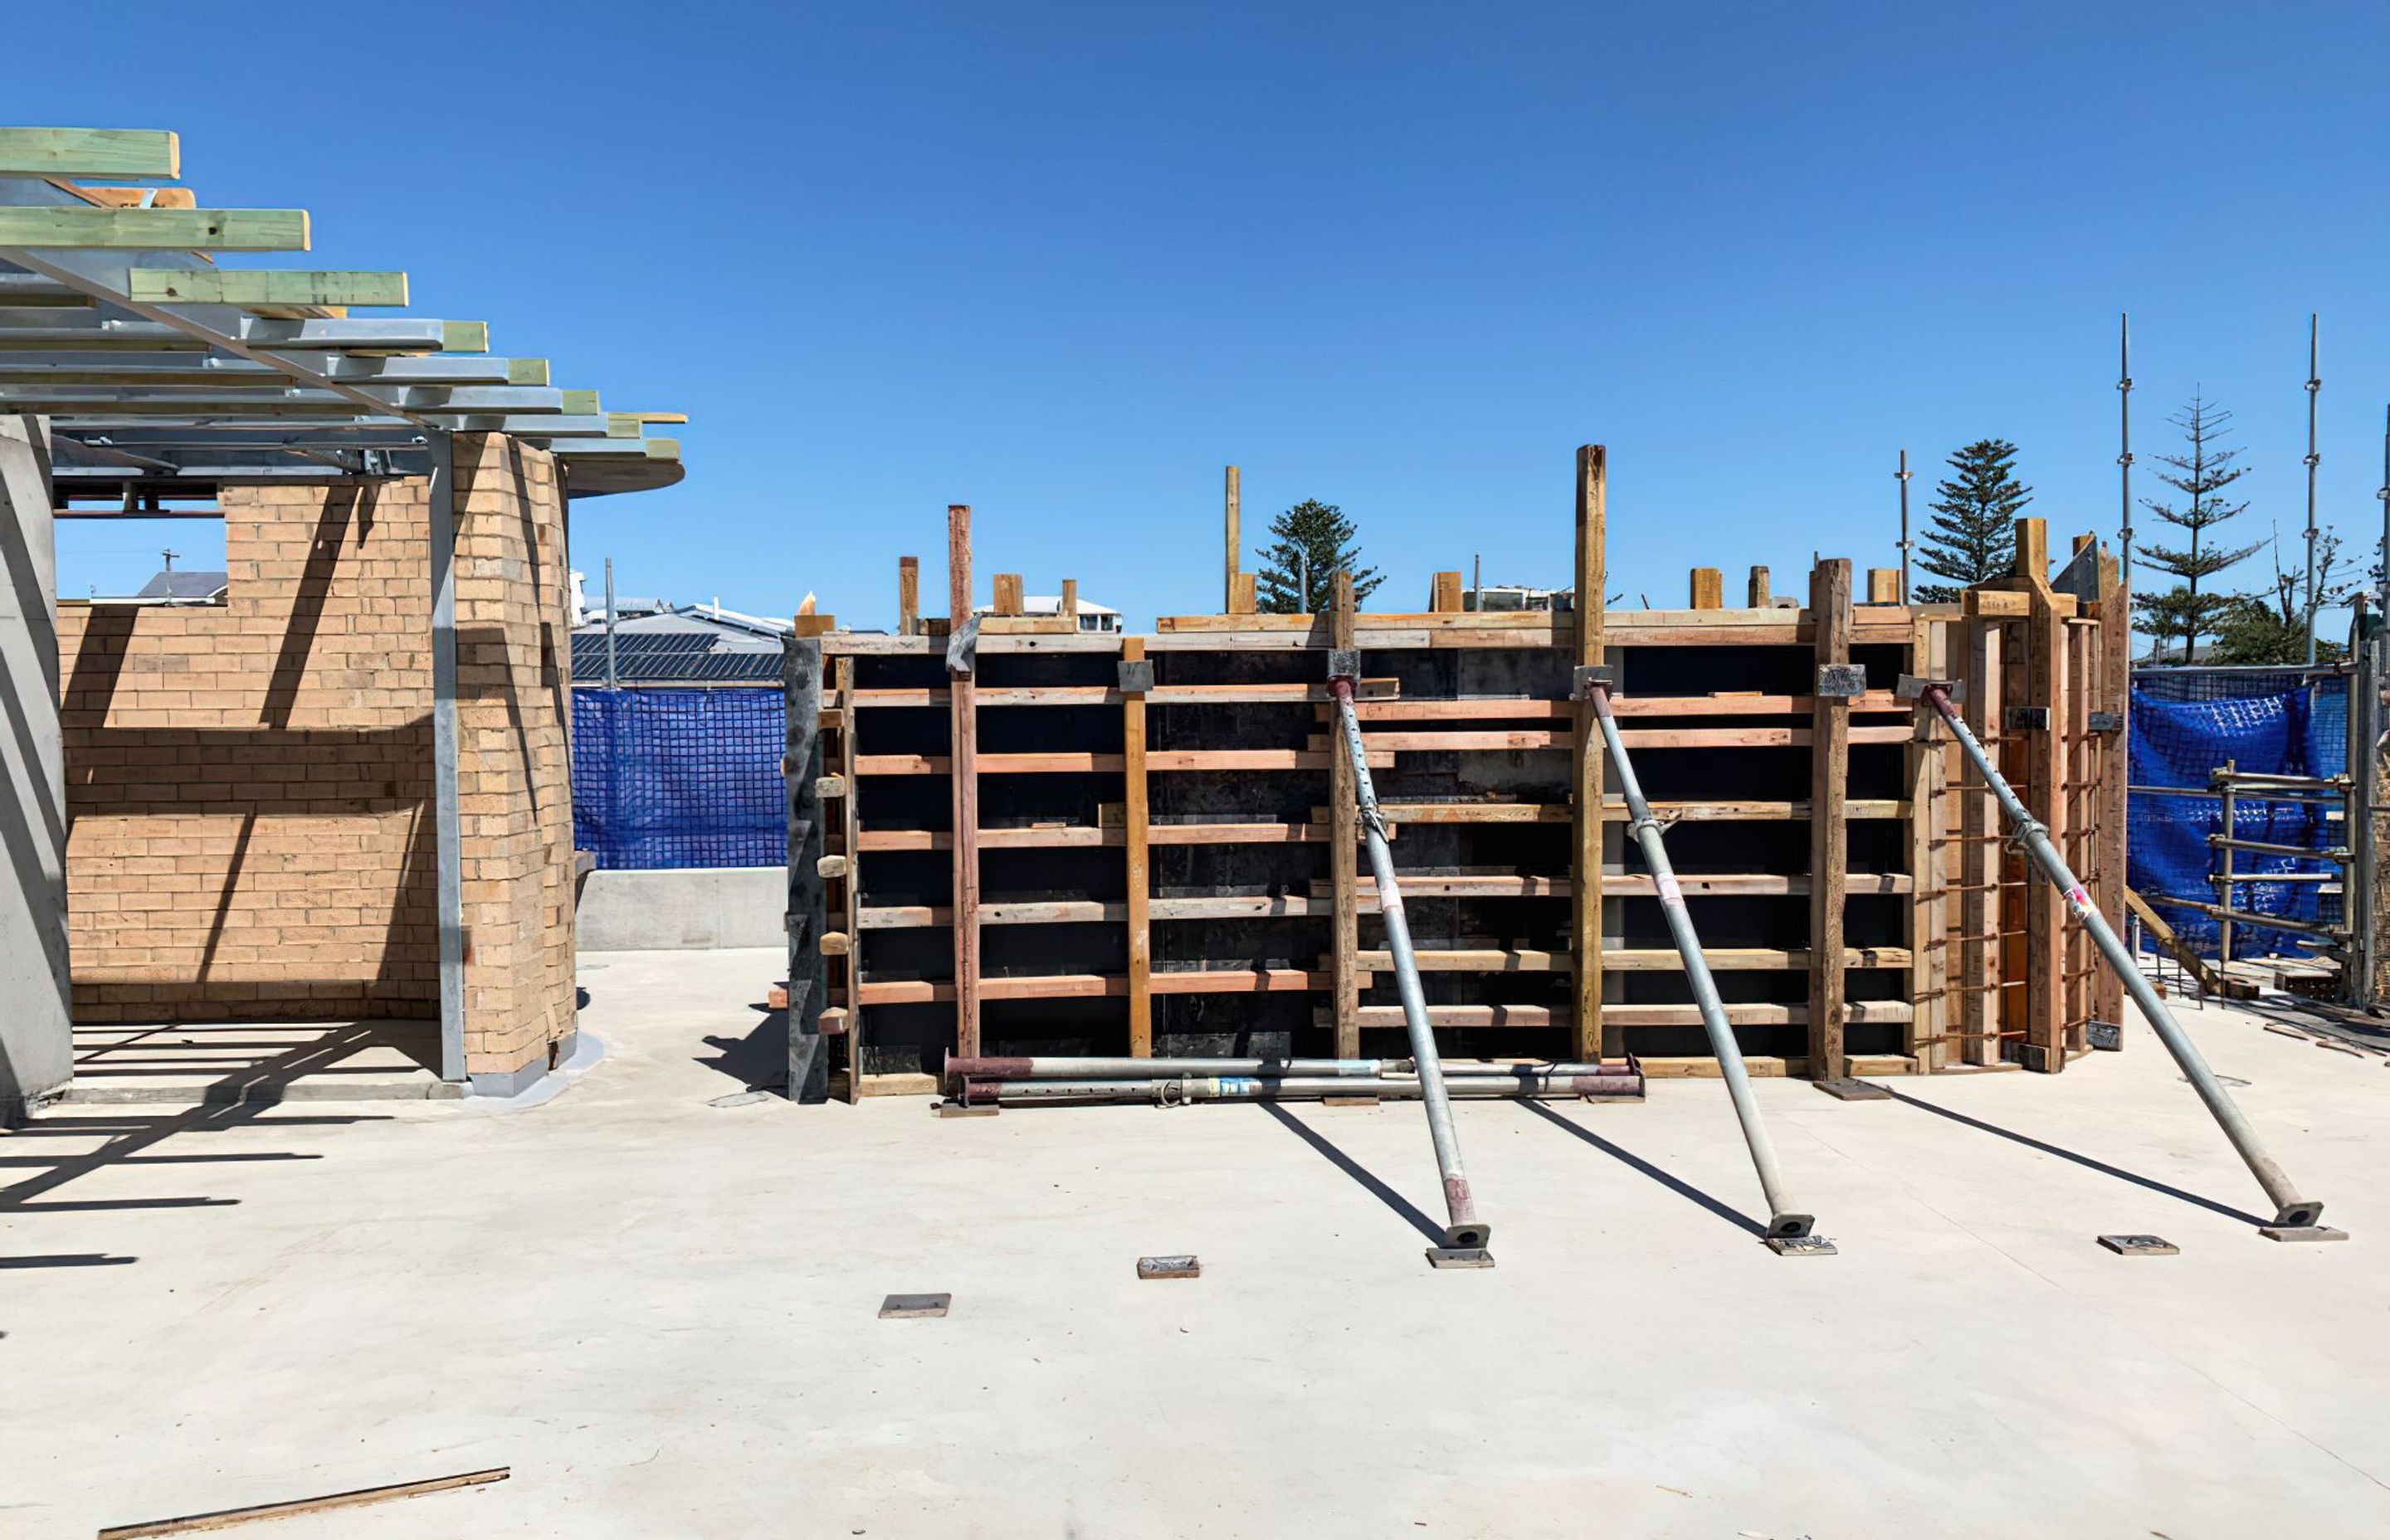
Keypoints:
pixel 663 1315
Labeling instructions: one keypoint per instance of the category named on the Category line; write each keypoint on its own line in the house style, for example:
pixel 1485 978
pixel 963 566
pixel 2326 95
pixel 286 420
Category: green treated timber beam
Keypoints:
pixel 155 229
pixel 214 285
pixel 463 337
pixel 581 404
pixel 526 371
pixel 142 152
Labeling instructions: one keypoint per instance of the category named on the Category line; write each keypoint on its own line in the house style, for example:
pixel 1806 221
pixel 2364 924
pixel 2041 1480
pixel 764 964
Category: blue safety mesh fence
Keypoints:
pixel 665 778
pixel 2190 722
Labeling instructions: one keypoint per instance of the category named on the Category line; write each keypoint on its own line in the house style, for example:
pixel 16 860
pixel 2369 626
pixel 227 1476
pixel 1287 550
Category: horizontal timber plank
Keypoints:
pixel 1616 812
pixel 1635 959
pixel 1629 885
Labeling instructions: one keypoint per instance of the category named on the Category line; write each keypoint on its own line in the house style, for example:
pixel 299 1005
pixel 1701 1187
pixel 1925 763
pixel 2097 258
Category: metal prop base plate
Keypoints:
pixel 1459 1256
pixel 904 1307
pixel 1848 1089
pixel 1801 1246
pixel 957 1109
pixel 1169 1268
pixel 2141 1245
pixel 2301 1232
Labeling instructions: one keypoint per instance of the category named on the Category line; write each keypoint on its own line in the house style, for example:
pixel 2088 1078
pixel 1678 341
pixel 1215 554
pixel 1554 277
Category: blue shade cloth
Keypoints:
pixel 665 779
pixel 2188 722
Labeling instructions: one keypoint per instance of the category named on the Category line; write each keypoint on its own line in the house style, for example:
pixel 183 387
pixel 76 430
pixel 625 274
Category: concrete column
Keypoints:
pixel 36 1055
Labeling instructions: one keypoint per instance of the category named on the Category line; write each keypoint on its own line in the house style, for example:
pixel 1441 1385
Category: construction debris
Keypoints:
pixel 225 1518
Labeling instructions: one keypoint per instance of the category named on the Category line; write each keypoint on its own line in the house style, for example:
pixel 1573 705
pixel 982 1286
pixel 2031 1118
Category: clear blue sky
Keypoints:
pixel 1064 262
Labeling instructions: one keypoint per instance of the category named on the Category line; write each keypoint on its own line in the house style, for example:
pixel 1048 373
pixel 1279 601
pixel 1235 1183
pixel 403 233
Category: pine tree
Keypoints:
pixel 1312 540
pixel 1971 537
pixel 2271 628
pixel 2201 476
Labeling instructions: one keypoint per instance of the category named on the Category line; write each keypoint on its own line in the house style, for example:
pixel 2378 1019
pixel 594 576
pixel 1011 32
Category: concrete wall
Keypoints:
pixel 625 911
pixel 249 784
pixel 36 1053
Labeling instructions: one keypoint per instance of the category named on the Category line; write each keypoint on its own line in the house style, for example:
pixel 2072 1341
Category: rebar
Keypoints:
pixel 1463 1229
pixel 2290 1210
pixel 1177 1090
pixel 1782 1222
pixel 2315 388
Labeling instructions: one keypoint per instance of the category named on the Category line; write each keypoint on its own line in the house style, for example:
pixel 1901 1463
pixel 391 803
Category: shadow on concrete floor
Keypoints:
pixel 1359 1173
pixel 1629 1158
pixel 759 1059
pixel 2085 1160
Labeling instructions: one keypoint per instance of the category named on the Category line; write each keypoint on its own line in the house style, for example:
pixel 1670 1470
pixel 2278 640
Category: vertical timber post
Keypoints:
pixel 1231 496
pixel 963 772
pixel 1928 953
pixel 1343 850
pixel 1708 589
pixel 36 1023
pixel 908 596
pixel 1586 779
pixel 1136 854
pixel 2109 756
pixel 1830 755
pixel 1758 597
pixel 1980 905
pixel 2045 749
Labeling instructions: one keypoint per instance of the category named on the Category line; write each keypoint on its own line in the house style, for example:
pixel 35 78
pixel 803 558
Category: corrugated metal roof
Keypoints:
pixel 184 586
pixel 668 657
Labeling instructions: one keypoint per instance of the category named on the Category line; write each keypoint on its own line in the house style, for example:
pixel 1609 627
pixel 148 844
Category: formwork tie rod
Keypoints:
pixel 2290 1211
pixel 1783 1221
pixel 1464 1230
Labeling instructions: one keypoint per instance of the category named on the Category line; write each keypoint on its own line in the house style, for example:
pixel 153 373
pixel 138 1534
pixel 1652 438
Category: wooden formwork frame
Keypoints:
pixel 1988 976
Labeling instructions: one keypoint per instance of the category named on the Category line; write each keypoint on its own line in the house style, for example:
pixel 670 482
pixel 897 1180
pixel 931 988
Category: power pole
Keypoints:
pixel 2315 387
pixel 1902 477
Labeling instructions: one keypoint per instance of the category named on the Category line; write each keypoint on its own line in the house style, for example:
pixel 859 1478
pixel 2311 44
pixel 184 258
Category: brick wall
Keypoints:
pixel 249 784
pixel 514 780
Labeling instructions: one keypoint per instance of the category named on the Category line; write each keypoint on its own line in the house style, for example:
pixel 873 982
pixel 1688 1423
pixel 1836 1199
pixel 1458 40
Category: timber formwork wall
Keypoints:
pixel 249 784
pixel 1158 869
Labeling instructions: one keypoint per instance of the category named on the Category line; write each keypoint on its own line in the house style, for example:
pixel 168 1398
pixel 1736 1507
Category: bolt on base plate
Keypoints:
pixel 1801 1246
pixel 1459 1256
pixel 2141 1245
pixel 2301 1232
pixel 1848 1089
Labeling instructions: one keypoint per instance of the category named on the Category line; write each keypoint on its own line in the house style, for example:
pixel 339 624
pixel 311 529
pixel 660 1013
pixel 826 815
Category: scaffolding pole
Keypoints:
pixel 2295 1218
pixel 1464 1232
pixel 1783 1223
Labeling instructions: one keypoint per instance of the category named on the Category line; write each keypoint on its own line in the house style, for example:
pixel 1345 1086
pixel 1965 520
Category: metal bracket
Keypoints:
pixel 2107 721
pixel 1169 1268
pixel 1345 663
pixel 2106 1036
pixel 2028 719
pixel 2141 1245
pixel 1841 681
pixel 1136 675
pixel 1586 676
pixel 1801 1246
pixel 2080 576
pixel 1912 687
pixel 1459 1256
pixel 962 646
